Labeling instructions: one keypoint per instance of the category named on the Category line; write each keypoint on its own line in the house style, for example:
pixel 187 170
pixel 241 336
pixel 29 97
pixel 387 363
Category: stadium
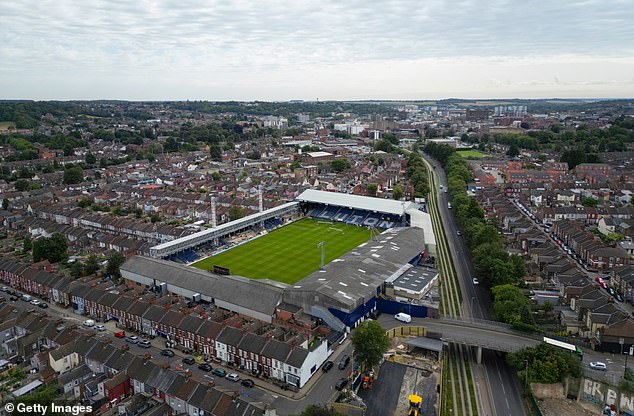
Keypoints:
pixel 332 254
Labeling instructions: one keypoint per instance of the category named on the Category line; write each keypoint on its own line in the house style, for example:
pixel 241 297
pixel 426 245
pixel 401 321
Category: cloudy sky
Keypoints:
pixel 326 49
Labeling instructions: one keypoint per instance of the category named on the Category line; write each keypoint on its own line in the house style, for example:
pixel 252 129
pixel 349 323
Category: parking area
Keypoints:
pixel 383 397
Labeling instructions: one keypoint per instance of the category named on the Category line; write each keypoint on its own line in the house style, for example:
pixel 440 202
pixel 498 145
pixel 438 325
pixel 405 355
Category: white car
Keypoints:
pixel 100 328
pixel 35 302
pixel 598 365
pixel 233 377
pixel 403 317
pixel 475 281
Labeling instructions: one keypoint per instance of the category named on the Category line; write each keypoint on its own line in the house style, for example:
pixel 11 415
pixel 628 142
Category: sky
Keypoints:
pixel 325 49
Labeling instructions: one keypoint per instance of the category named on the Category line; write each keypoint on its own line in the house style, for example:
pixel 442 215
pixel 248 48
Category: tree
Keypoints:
pixel 370 342
pixel 27 245
pixel 22 185
pixel 589 202
pixel 73 175
pixel 5 203
pixel 318 410
pixel 76 269
pixel 546 364
pixel 397 192
pixel 52 249
pixel 90 159
pixel 216 152
pixel 372 188
pixel 155 218
pixel 216 176
pixel 510 305
pixel 514 150
pixel 92 265
pixel 236 212
pixel 339 165
pixel 114 263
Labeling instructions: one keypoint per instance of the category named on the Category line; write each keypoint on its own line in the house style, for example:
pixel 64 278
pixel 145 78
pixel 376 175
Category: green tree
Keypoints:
pixel 236 212
pixel 114 263
pixel 397 192
pixel 73 175
pixel 216 176
pixel 589 202
pixel 52 249
pixel 27 245
pixel 22 185
pixel 92 265
pixel 155 218
pixel 216 152
pixel 76 269
pixel 514 151
pixel 5 203
pixel 510 305
pixel 372 188
pixel 370 342
pixel 546 364
pixel 339 165
pixel 85 202
pixel 90 159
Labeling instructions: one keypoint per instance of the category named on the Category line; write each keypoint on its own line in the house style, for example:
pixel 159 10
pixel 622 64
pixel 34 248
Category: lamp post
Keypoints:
pixel 526 370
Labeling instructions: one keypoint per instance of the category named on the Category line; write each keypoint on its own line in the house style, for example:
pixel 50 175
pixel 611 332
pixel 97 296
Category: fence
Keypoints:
pixel 407 331
pixel 393 307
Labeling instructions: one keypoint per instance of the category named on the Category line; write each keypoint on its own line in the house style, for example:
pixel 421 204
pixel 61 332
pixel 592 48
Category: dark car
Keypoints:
pixel 205 367
pixel 619 297
pixel 14 298
pixel 343 363
pixel 219 372
pixel 247 382
pixel 327 366
pixel 167 353
pixel 43 305
pixel 189 360
pixel 611 291
pixel 341 383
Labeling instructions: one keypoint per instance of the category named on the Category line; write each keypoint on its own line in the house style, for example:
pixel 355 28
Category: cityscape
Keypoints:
pixel 281 209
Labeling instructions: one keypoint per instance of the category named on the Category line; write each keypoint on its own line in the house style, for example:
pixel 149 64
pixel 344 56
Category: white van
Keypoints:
pixel 89 323
pixel 403 317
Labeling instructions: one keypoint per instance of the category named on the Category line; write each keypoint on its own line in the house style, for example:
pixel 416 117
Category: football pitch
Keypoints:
pixel 290 253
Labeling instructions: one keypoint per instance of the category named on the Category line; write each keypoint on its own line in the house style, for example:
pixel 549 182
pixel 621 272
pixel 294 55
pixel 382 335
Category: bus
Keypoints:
pixel 573 349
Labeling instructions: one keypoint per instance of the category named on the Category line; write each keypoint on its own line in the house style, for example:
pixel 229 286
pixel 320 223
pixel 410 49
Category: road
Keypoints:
pixel 499 376
pixel 320 392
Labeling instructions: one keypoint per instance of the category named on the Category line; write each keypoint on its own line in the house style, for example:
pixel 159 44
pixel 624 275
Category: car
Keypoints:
pixel 144 343
pixel 100 328
pixel 619 297
pixel 341 383
pixel 327 366
pixel 403 317
pixel 598 279
pixel 4 289
pixel 233 377
pixel 26 298
pixel 343 363
pixel 458 233
pixel 132 339
pixel 120 334
pixel 220 372
pixel 611 291
pixel 189 360
pixel 247 382
pixel 598 365
pixel 167 353
pixel 475 281
pixel 89 323
pixel 205 367
pixel 43 305
pixel 14 298
pixel 35 302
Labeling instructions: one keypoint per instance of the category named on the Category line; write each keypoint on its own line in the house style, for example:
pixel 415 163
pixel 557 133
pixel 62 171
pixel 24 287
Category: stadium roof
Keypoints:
pixel 366 203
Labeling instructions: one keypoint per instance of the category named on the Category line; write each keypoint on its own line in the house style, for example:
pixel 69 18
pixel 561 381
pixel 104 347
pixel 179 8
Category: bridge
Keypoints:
pixel 479 333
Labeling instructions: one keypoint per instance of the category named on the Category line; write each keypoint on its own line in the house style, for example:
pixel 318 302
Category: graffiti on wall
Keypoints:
pixel 603 394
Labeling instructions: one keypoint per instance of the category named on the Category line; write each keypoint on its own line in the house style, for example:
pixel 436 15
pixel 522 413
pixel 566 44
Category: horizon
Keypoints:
pixel 334 51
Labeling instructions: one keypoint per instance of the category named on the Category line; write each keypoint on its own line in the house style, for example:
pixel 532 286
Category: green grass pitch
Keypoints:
pixel 290 253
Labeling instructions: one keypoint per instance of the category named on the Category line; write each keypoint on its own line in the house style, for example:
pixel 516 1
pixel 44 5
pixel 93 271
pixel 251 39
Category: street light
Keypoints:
pixel 526 362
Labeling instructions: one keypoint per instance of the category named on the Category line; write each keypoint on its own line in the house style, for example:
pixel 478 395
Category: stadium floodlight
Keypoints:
pixel 322 245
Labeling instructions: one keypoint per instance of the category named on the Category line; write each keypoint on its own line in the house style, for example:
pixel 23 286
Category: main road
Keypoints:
pixel 477 304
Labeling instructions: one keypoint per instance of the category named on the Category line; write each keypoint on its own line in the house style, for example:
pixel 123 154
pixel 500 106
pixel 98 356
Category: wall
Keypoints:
pixel 601 394
pixel 548 391
pixel 393 307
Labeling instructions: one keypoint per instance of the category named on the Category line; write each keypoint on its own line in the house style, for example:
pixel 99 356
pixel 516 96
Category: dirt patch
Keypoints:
pixel 559 407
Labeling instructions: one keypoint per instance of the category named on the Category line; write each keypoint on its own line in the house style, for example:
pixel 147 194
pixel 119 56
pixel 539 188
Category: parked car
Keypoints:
pixel 247 382
pixel 403 317
pixel 4 289
pixel 233 377
pixel 120 334
pixel 100 328
pixel 27 298
pixel 144 343
pixel 327 366
pixel 619 297
pixel 189 360
pixel 14 298
pixel 43 305
pixel 598 365
pixel 205 367
pixel 475 281
pixel 89 323
pixel 167 353
pixel 132 339
pixel 611 291
pixel 35 302
pixel 341 383
pixel 220 372
pixel 343 363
